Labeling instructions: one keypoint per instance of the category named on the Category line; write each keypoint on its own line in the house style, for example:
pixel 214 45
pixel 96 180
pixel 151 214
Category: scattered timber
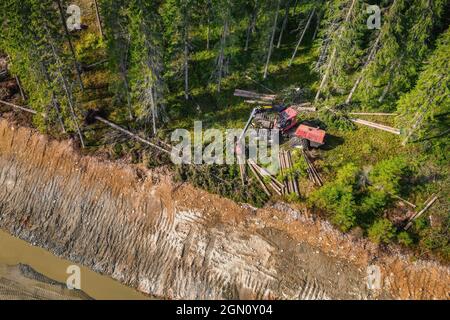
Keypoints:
pixel 242 173
pixel 273 182
pixel 19 85
pixel 302 36
pixel 372 114
pixel 313 174
pixel 412 205
pixel 305 107
pixel 258 178
pixel 421 212
pixel 129 133
pixel 290 182
pixel 103 120
pixel 254 95
pixel 18 107
pixel 260 102
pixel 294 180
pixel 377 126
pixel 93 65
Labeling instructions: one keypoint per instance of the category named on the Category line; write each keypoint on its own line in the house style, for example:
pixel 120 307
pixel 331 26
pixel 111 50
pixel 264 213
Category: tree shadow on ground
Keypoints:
pixel 332 142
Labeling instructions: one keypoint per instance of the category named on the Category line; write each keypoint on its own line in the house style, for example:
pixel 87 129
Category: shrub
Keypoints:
pixel 372 203
pixel 387 174
pixel 382 231
pixel 337 197
pixel 404 238
pixel 336 119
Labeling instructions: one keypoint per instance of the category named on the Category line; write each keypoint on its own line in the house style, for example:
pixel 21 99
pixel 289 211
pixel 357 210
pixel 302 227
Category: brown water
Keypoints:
pixel 14 251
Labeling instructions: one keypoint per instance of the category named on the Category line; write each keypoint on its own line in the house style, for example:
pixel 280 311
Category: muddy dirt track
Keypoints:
pixel 175 241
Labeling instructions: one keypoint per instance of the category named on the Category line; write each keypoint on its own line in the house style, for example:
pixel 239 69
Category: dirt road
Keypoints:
pixel 175 241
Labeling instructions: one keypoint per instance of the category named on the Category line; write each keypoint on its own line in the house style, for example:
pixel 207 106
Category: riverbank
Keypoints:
pixel 175 241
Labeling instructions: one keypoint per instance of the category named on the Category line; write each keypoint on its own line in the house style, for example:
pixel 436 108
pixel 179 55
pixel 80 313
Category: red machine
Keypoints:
pixel 306 134
pixel 311 137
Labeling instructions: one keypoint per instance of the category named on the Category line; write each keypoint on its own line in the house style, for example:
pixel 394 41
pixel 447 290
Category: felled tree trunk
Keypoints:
pixel 274 29
pixel 285 20
pixel 301 37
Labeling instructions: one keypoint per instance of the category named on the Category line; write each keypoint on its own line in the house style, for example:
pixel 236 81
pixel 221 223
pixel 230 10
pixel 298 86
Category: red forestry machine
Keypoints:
pixel 301 133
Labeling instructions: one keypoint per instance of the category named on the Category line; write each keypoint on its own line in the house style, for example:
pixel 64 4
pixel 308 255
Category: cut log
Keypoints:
pixel 274 29
pixel 304 107
pixel 99 20
pixel 372 114
pixel 421 212
pixel 3 75
pixel 22 94
pixel 260 102
pixel 412 205
pixel 18 107
pixel 254 95
pixel 242 173
pixel 377 126
pixel 263 186
pixel 264 173
pixel 301 37
pixel 314 176
pixel 132 135
pixel 294 180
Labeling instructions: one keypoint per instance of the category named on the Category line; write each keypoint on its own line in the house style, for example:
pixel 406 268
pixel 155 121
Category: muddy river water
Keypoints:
pixel 14 251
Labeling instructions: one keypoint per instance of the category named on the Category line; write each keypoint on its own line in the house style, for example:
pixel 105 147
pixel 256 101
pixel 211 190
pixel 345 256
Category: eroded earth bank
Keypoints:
pixel 175 241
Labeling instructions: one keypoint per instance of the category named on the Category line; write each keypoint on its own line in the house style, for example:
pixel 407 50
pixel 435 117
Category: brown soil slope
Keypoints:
pixel 180 242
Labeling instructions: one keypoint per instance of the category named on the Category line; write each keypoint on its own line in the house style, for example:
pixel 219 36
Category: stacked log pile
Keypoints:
pixel 262 174
pixel 313 174
pixel 290 181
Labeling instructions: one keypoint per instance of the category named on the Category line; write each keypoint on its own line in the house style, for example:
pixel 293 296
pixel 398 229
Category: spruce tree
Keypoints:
pixel 406 35
pixel 146 62
pixel 341 47
pixel 423 109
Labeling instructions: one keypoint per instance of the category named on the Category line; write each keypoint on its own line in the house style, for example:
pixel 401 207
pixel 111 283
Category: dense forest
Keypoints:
pixel 153 66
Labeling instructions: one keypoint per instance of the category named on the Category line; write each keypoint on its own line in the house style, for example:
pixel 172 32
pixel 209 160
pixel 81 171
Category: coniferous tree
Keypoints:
pixel 430 97
pixel 146 62
pixel 224 14
pixel 341 47
pixel 252 17
pixel 404 43
pixel 272 38
pixel 116 20
pixel 177 16
pixel 35 40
